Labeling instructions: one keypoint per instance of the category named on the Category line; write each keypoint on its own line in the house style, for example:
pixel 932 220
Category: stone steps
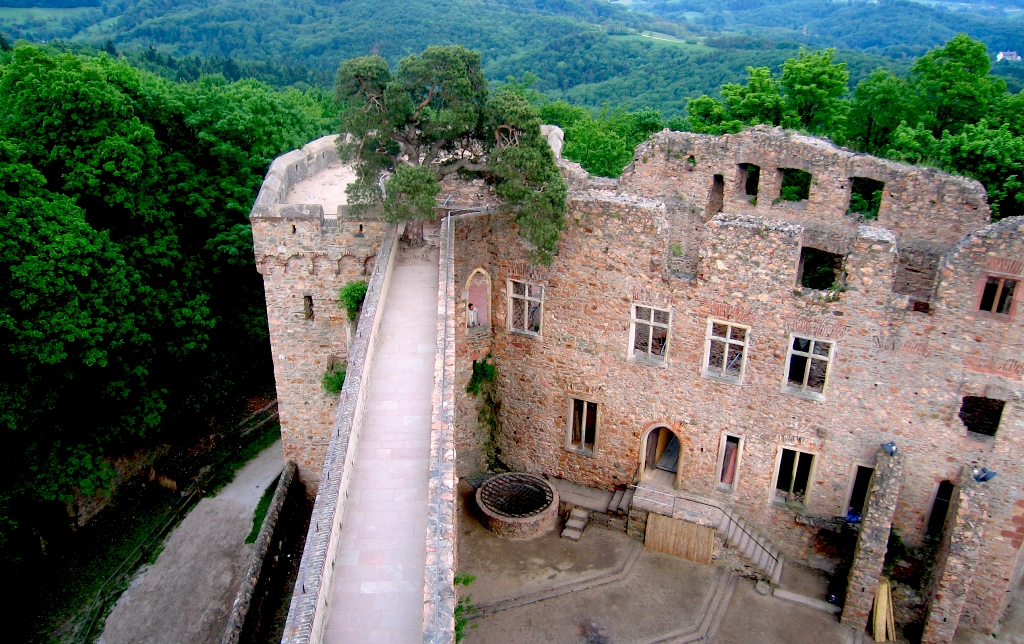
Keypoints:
pixel 737 534
pixel 575 524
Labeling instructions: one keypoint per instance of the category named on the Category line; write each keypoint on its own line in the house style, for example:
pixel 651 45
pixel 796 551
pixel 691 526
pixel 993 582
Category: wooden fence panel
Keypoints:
pixel 679 538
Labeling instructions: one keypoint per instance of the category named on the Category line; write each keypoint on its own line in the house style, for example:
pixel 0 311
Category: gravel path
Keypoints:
pixel 185 596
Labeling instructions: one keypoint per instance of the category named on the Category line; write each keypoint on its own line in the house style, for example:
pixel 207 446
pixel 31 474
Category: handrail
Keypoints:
pixel 710 505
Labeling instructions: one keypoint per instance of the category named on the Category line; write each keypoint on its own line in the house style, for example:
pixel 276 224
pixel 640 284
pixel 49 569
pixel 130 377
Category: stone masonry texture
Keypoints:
pixel 873 541
pixel 958 555
pixel 679 232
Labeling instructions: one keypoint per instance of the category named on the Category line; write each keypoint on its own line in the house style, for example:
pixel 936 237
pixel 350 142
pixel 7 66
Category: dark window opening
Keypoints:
pixel 753 179
pixel 997 296
pixel 981 415
pixel 921 307
pixel 819 269
pixel 727 477
pixel 794 476
pixel 293 229
pixel 307 306
pixel 940 508
pixel 584 426
pixel 859 496
pixel 865 197
pixel 796 185
pixel 717 196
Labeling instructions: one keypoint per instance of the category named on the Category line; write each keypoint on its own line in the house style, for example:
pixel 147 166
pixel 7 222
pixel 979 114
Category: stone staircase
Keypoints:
pixel 575 524
pixel 734 531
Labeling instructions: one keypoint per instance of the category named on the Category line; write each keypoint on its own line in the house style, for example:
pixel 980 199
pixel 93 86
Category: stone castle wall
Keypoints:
pixel 897 374
pixel 303 252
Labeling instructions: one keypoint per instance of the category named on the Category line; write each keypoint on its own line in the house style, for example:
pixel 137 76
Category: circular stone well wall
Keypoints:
pixel 517 505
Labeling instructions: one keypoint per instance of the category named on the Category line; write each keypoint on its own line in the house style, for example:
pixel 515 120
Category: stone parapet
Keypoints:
pixel 254 571
pixel 439 595
pixel 306 616
pixel 954 570
pixel 873 541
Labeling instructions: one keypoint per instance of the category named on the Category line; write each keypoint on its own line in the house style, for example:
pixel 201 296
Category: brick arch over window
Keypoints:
pixel 654 443
pixel 478 293
pixel 297 265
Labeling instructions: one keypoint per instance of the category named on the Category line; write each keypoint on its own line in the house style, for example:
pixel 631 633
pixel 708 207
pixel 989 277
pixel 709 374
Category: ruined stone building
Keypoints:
pixel 731 329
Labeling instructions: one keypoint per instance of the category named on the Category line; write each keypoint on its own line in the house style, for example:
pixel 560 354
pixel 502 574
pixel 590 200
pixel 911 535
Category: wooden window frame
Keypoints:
pixel 979 290
pixel 708 338
pixel 527 299
pixel 811 475
pixel 580 448
pixel 724 487
pixel 652 324
pixel 802 390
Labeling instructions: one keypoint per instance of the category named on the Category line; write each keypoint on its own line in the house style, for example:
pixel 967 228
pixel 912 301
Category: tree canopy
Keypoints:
pixel 404 131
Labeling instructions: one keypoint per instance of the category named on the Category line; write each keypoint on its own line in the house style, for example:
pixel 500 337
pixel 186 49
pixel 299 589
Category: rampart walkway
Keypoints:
pixel 377 589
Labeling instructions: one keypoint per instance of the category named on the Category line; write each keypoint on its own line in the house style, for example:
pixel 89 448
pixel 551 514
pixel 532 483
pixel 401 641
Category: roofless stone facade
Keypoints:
pixel 742 319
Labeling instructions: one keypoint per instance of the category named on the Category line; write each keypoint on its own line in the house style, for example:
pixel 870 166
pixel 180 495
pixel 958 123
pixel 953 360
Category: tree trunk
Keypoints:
pixel 413 234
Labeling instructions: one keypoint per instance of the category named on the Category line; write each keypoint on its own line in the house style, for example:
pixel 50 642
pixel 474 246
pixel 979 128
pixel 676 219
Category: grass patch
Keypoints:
pixel 261 511
pixel 664 40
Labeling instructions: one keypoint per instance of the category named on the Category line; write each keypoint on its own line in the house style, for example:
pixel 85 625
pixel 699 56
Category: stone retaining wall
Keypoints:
pixel 439 574
pixel 238 620
pixel 306 617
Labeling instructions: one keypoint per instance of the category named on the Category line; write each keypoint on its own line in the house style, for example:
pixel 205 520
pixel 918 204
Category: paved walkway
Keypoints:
pixel 377 591
pixel 186 595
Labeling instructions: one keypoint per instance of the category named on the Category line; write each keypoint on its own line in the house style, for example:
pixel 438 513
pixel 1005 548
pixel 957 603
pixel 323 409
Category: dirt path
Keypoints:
pixel 185 596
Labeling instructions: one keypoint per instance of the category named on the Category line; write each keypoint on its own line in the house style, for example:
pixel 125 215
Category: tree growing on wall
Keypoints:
pixel 407 129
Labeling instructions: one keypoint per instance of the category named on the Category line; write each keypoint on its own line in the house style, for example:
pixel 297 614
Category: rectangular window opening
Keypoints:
pixel 730 462
pixel 307 307
pixel 716 198
pixel 796 185
pixel 583 426
pixel 794 477
pixel 808 364
pixel 997 295
pixel 981 415
pixel 726 348
pixel 865 197
pixel 940 508
pixel 525 307
pixel 650 333
pixel 819 269
pixel 859 494
pixel 751 179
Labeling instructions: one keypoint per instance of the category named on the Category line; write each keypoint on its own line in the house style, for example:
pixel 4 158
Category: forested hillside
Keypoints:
pixel 130 312
pixel 587 51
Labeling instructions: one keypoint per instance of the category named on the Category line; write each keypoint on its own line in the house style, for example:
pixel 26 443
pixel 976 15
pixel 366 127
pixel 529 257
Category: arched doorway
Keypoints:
pixel 660 455
pixel 478 297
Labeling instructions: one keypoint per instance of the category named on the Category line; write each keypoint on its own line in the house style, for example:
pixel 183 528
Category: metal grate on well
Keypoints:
pixel 516 495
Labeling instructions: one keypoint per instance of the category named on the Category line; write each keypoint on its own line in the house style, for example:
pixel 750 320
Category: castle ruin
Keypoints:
pixel 726 336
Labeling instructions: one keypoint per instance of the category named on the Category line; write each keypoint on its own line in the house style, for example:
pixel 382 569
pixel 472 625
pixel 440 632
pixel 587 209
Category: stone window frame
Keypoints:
pixel 580 448
pixel 723 487
pixel 802 391
pixel 979 293
pixel 485 327
pixel 662 360
pixel 738 380
pixel 811 476
pixel 511 296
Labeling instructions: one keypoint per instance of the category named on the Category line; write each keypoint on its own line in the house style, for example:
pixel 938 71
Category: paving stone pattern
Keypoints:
pixel 377 580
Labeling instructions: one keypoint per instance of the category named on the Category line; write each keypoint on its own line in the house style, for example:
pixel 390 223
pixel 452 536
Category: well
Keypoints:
pixel 517 505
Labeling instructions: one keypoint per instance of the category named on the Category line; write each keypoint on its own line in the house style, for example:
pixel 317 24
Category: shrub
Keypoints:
pixel 334 378
pixel 351 297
